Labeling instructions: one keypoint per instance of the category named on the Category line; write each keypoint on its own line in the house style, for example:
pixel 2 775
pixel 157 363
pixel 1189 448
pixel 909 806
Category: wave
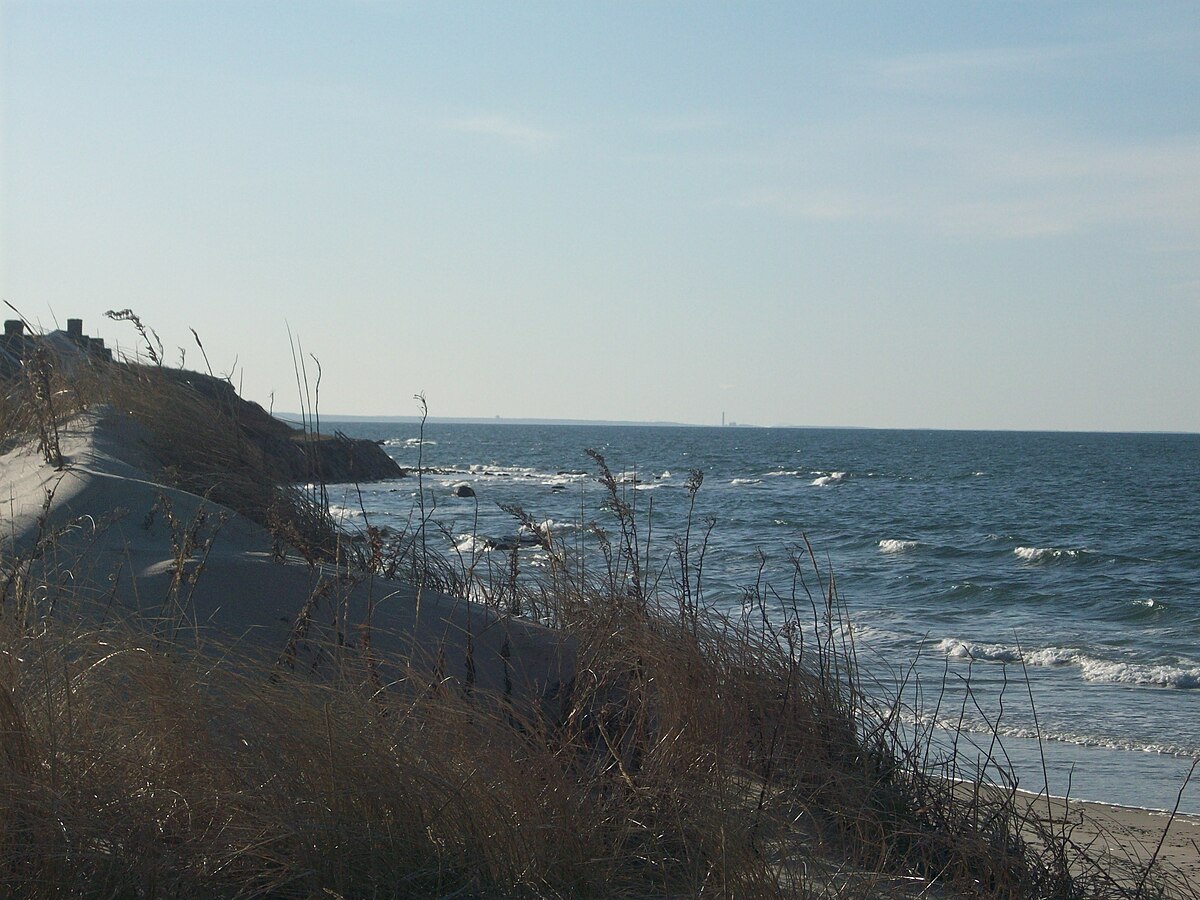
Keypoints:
pixel 1141 674
pixel 471 543
pixel 1090 668
pixel 1041 554
pixel 873 637
pixel 746 481
pixel 1058 735
pixel 479 544
pixel 485 472
pixel 896 546
pixel 1138 612
pixel 409 442
pixel 340 513
pixel 829 479
pixel 1047 656
pixel 552 527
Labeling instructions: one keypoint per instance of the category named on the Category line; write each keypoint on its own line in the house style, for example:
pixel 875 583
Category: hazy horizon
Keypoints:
pixel 947 216
pixel 433 420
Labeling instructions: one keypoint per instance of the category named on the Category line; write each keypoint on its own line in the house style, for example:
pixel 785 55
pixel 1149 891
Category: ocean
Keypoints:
pixel 1044 584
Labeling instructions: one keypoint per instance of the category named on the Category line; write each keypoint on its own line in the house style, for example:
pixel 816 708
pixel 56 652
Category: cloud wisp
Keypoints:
pixel 507 130
pixel 983 179
pixel 918 67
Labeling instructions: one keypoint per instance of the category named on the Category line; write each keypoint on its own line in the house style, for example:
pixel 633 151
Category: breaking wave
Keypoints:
pixel 484 472
pixel 1130 673
pixel 1059 735
pixel 896 546
pixel 829 479
pixel 554 526
pixel 1042 554
pixel 1090 668
pixel 472 543
pixel 409 442
pixel 340 512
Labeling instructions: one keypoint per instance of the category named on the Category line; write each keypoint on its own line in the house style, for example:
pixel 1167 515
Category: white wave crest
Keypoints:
pixel 831 478
pixel 563 478
pixel 1132 673
pixel 896 546
pixel 484 472
pixel 1044 656
pixel 551 527
pixel 470 543
pixel 341 513
pixel 957 649
pixel 1037 554
pixel 1108 742
pixel 746 481
pixel 1090 668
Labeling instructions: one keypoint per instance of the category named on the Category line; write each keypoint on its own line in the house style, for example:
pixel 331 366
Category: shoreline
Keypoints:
pixel 1106 776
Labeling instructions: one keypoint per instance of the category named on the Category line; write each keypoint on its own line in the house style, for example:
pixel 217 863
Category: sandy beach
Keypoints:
pixel 1126 833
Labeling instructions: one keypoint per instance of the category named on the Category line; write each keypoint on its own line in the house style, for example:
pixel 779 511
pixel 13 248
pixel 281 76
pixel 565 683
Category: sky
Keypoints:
pixel 921 215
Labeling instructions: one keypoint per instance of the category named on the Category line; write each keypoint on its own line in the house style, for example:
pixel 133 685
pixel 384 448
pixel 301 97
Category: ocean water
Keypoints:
pixel 1046 584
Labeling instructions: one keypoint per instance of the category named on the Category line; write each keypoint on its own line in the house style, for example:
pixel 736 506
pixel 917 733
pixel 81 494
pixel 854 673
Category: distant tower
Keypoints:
pixel 722 419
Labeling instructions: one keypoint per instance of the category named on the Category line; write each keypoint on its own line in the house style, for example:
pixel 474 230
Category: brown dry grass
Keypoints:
pixel 204 439
pixel 696 755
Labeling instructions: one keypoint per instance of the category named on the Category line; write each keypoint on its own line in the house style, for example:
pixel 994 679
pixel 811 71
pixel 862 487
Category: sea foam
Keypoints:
pixel 1039 554
pixel 340 512
pixel 896 546
pixel 1132 673
pixel 1090 668
pixel 1064 736
pixel 829 479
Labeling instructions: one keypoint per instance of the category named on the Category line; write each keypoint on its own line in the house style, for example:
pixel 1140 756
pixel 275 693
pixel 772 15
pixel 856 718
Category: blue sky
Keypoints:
pixel 887 214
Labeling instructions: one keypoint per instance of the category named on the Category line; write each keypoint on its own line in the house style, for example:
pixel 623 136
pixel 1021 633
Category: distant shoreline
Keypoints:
pixel 495 420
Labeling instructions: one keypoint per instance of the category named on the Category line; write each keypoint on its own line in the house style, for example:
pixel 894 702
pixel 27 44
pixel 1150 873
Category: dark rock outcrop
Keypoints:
pixel 340 459
pixel 300 456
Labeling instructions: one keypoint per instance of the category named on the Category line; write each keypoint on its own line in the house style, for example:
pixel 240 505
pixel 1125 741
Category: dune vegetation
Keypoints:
pixel 692 753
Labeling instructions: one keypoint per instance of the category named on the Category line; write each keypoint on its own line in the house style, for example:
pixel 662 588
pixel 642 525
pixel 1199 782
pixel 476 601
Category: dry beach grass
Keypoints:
pixel 688 753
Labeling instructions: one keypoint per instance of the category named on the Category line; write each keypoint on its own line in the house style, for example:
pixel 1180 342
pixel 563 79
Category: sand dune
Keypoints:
pixel 172 562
